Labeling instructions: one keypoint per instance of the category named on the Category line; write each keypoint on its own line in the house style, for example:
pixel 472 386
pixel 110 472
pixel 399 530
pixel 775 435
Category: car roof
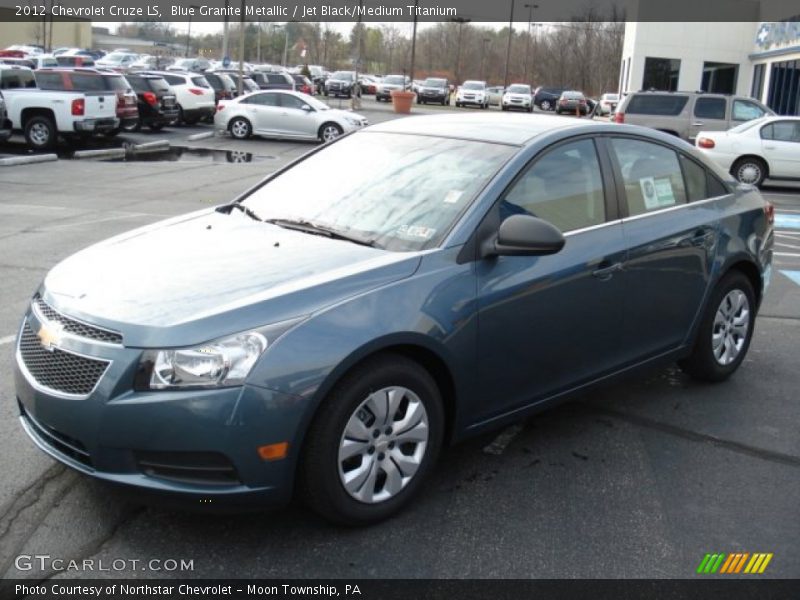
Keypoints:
pixel 515 129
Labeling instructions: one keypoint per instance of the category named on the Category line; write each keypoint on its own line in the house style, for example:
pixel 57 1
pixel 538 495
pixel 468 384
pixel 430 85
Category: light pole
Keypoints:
pixel 240 86
pixel 531 8
pixel 508 48
pixel 225 32
pixel 483 58
pixel 189 31
pixel 414 43
pixel 285 43
pixel 461 21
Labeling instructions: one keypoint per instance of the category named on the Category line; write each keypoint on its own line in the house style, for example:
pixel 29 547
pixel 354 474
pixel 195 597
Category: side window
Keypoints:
pixel 563 187
pixel 288 101
pixel 710 108
pixel 49 81
pixel 173 80
pixel 781 131
pixel 696 179
pixel 262 100
pixel 746 111
pixel 652 175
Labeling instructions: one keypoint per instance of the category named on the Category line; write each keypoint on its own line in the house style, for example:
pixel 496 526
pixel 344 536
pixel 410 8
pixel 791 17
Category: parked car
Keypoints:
pixel 43 115
pixel 119 61
pixel 434 89
pixel 284 114
pixel 74 60
pixel 224 86
pixel 303 84
pixel 156 102
pixel 518 96
pixel 767 147
pixel 276 81
pixel 147 62
pixel 472 92
pixel 27 62
pixel 93 80
pixel 328 346
pixel 369 84
pixel 194 95
pixel 389 84
pixel 572 102
pixel 43 61
pixel 495 94
pixel 248 84
pixel 5 122
pixel 195 65
pixel 340 83
pixel 684 114
pixel 608 104
pixel 547 97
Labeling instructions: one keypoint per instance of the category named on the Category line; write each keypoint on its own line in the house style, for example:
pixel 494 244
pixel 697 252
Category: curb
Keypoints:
pixel 27 160
pixel 101 153
pixel 156 146
pixel 201 136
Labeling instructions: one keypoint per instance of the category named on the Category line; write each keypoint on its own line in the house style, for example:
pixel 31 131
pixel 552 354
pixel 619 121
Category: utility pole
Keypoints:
pixel 285 43
pixel 225 31
pixel 241 53
pixel 530 8
pixel 258 42
pixel 508 49
pixel 461 21
pixel 414 42
pixel 483 58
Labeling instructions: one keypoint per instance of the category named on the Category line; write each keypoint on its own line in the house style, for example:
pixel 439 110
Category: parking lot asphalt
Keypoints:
pixel 638 479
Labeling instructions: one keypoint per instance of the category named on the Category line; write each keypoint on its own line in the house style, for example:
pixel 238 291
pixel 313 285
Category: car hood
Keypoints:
pixel 208 274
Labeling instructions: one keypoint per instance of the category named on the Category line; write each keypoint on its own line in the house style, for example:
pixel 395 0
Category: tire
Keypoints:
pixel 545 105
pixel 750 170
pixel 725 331
pixel 240 128
pixel 156 126
pixel 40 133
pixel 329 132
pixel 350 408
pixel 133 128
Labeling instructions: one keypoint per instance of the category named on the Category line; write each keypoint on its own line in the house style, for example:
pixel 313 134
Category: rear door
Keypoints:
pixel 671 235
pixel 709 114
pixel 780 142
pixel 264 112
pixel 547 323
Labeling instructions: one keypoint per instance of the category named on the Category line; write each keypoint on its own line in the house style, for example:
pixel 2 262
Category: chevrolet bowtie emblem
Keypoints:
pixel 50 335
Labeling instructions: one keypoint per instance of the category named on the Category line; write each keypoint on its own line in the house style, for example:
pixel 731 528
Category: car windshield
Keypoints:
pixel 434 83
pixel 116 57
pixel 343 75
pixel 519 89
pixel 473 85
pixel 394 80
pixel 402 192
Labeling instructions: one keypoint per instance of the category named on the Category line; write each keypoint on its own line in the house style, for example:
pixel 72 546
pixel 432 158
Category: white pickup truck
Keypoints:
pixel 43 115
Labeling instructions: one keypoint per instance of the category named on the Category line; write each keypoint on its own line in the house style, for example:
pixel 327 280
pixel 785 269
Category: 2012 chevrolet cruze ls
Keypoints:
pixel 458 273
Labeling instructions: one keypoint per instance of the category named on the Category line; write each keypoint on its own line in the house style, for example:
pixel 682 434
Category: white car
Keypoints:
pixel 284 114
pixel 117 60
pixel 517 96
pixel 193 93
pixel 472 92
pixel 765 148
pixel 608 104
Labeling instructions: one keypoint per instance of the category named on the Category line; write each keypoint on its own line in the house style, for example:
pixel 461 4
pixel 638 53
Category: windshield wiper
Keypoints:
pixel 321 229
pixel 242 208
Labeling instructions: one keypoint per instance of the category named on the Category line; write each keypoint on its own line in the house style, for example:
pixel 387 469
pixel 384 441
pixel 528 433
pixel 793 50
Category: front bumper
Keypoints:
pixel 191 444
pixel 92 125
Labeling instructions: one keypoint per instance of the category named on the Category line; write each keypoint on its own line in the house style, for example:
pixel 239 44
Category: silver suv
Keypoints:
pixel 684 114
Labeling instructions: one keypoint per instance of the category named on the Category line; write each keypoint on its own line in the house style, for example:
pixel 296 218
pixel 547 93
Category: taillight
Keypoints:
pixel 196 92
pixel 769 212
pixel 704 142
pixel 78 107
pixel 150 98
pixel 619 117
pixel 220 107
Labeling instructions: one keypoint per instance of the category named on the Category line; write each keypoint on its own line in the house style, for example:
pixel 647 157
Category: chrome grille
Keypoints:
pixel 74 327
pixel 58 370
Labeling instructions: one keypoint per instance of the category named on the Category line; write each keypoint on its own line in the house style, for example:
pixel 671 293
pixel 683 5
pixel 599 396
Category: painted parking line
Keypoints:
pixel 7 340
pixel 793 275
pixel 788 221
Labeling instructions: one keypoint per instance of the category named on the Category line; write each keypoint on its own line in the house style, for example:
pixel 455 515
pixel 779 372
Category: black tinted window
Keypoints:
pixel 50 81
pixel 214 81
pixel 117 83
pixel 276 78
pixel 158 85
pixel 174 79
pixel 14 78
pixel 88 82
pixel 710 108
pixel 696 179
pixel 652 175
pixel 563 187
pixel 657 104
pixel 200 81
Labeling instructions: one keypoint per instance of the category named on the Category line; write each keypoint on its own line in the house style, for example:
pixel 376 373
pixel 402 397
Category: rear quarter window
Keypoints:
pixel 710 108
pixel 201 81
pixel 657 104
pixel 158 85
pixel 174 80
pixel 117 83
pixel 15 79
pixel 50 81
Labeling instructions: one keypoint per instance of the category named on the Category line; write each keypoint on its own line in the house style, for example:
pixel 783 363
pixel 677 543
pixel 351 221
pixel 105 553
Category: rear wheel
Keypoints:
pixel 132 127
pixel 725 331
pixel 373 441
pixel 546 105
pixel 329 132
pixel 40 133
pixel 750 170
pixel 156 126
pixel 240 128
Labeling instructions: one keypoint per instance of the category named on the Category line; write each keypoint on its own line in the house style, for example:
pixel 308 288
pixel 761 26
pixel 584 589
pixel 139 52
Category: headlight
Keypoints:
pixel 352 121
pixel 219 363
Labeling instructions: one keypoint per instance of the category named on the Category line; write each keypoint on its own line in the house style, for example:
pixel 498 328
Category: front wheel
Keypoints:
pixel 726 330
pixel 240 128
pixel 546 105
pixel 750 170
pixel 329 132
pixel 373 441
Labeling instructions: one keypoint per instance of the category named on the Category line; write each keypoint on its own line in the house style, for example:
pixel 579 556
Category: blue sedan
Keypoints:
pixel 455 274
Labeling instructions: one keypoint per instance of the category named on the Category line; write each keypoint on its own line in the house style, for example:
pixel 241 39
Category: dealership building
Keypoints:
pixel 758 59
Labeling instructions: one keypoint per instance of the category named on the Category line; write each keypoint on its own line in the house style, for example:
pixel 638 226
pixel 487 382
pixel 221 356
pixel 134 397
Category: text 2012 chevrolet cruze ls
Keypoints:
pixel 458 273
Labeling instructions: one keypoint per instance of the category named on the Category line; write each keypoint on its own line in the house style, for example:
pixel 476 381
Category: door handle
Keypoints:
pixel 698 124
pixel 606 271
pixel 769 147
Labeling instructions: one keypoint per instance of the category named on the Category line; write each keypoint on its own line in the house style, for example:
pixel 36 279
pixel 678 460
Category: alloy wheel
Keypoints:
pixel 330 133
pixel 731 327
pixel 383 444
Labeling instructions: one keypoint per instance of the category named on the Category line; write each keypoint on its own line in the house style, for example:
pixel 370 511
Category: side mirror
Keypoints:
pixel 524 235
pixel 307 108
